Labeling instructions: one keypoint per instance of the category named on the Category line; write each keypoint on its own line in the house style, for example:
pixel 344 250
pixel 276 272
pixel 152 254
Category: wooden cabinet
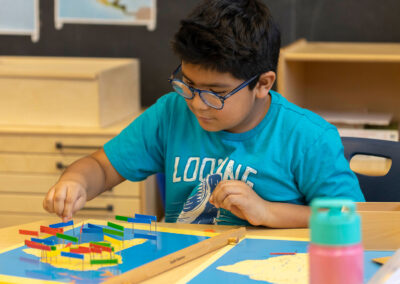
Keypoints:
pixel 31 160
pixel 68 91
pixel 334 76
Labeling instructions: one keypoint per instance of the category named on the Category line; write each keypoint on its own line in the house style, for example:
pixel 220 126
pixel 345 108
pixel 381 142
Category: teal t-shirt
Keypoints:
pixel 293 155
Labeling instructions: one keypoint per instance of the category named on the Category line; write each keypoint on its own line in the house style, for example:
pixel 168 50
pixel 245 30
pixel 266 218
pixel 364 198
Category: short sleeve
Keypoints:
pixel 323 171
pixel 138 151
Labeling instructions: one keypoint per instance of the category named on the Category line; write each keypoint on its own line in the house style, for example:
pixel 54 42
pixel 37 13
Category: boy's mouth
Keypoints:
pixel 204 118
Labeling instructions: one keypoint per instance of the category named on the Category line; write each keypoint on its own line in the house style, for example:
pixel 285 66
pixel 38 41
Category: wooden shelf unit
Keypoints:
pixel 341 76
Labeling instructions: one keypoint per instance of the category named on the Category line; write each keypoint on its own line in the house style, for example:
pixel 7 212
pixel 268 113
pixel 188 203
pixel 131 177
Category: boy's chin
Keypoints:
pixel 210 127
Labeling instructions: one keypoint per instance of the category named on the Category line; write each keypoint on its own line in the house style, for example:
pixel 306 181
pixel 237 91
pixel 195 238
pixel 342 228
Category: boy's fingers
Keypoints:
pixel 230 201
pixel 59 199
pixel 79 203
pixel 225 190
pixel 75 206
pixel 233 204
pixel 214 196
pixel 48 201
pixel 70 199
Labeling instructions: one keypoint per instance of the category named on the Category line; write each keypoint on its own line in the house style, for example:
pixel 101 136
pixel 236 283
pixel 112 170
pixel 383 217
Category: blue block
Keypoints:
pixel 94 226
pixel 37 240
pixel 144 236
pixel 71 254
pixel 42 241
pixel 142 216
pixel 62 224
pixel 92 230
pixel 139 220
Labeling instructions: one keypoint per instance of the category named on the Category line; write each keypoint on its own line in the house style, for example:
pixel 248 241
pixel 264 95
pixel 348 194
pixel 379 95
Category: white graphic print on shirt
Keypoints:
pixel 195 169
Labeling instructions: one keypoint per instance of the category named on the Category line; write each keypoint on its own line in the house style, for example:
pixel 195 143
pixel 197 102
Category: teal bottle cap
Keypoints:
pixel 334 222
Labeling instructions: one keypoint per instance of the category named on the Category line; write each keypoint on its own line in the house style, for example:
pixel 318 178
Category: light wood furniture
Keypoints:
pixel 170 261
pixel 61 91
pixel 341 76
pixel 32 158
pixel 380 225
pixel 372 235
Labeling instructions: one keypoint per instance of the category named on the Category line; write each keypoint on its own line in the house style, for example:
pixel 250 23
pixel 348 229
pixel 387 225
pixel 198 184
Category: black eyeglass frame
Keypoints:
pixel 221 98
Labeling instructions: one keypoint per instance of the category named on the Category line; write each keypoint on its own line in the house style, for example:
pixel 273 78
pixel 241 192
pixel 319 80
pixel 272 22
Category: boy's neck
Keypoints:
pixel 255 116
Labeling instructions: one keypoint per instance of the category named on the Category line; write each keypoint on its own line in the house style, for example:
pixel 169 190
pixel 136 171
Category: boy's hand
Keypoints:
pixel 65 198
pixel 239 198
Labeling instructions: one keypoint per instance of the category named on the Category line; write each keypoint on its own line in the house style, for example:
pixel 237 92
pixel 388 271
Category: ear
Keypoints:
pixel 264 84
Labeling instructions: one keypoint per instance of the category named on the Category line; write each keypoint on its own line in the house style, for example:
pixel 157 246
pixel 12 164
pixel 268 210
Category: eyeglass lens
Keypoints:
pixel 208 98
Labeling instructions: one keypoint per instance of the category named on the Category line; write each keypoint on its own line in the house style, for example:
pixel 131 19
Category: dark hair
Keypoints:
pixel 235 36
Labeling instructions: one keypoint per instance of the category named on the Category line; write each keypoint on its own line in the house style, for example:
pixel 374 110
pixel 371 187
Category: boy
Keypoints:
pixel 222 122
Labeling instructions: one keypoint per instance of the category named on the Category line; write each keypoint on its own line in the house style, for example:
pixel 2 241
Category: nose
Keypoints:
pixel 197 103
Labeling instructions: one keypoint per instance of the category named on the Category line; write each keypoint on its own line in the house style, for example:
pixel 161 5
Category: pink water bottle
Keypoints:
pixel 335 251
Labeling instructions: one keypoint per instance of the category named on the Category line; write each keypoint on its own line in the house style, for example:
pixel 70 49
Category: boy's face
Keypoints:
pixel 241 112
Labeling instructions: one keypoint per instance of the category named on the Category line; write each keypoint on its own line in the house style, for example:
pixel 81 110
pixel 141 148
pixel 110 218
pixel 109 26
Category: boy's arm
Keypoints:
pixel 286 215
pixel 83 180
pixel 239 198
pixel 322 172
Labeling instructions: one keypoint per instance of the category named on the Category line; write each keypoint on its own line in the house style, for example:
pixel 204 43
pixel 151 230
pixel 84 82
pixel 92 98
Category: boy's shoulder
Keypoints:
pixel 301 125
pixel 167 107
pixel 170 103
pixel 171 98
pixel 294 114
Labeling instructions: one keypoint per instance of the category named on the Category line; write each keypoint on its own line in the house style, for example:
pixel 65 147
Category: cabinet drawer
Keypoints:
pixel 26 183
pixel 35 163
pixel 51 144
pixel 127 188
pixel 41 183
pixel 100 206
pixel 108 207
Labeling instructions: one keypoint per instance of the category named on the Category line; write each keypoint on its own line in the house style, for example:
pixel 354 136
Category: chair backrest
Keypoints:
pixel 160 179
pixel 377 188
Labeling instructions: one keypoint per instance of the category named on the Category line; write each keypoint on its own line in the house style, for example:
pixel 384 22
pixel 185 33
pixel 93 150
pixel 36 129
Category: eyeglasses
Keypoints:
pixel 208 97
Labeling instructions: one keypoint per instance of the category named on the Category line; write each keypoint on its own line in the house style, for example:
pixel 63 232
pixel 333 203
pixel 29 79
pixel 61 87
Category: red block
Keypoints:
pixel 95 250
pixel 51 231
pixel 30 233
pixel 80 250
pixel 36 245
pixel 103 248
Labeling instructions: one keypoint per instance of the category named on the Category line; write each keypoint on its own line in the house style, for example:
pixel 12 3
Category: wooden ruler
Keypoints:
pixel 180 257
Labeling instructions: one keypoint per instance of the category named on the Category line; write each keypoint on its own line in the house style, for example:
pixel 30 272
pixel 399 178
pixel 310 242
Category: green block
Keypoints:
pixel 53 247
pixel 104 261
pixel 121 218
pixel 113 232
pixel 101 244
pixel 115 226
pixel 68 238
